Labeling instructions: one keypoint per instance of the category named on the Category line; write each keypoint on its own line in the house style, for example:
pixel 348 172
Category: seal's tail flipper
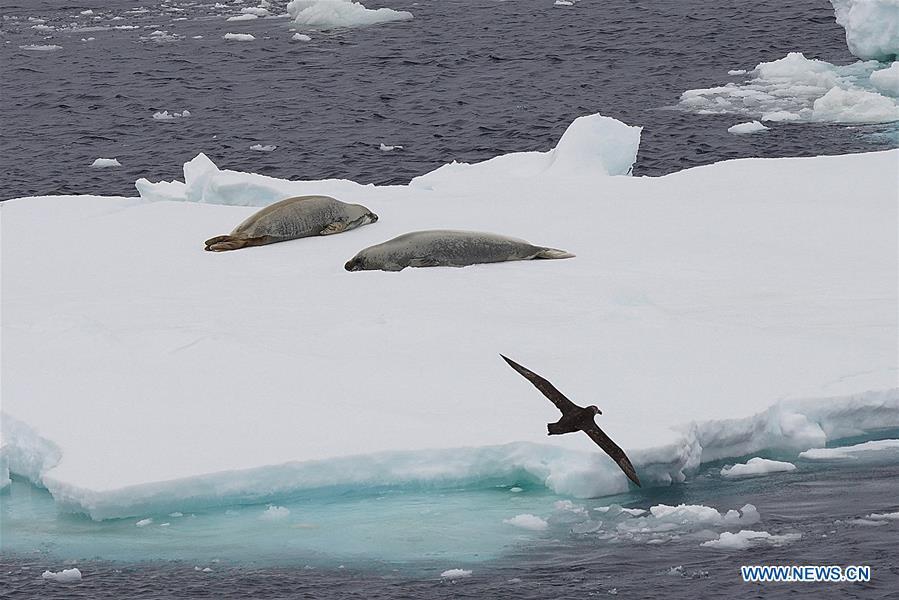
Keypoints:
pixel 222 243
pixel 553 253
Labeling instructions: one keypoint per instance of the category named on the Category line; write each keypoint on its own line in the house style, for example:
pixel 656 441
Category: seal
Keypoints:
pixel 577 418
pixel 302 216
pixel 444 248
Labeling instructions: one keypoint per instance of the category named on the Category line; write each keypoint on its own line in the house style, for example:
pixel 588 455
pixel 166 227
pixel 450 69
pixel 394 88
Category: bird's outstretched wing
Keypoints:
pixel 555 396
pixel 612 449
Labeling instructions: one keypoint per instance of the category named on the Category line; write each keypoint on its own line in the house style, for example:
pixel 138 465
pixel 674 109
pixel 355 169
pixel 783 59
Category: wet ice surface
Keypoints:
pixel 463 80
pixel 822 504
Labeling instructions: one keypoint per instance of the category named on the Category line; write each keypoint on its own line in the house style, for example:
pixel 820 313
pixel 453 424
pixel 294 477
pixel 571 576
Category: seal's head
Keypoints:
pixel 360 215
pixel 357 263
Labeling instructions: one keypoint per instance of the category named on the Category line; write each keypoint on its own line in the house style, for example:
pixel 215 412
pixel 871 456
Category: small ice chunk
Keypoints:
pixel 747 538
pixel 887 80
pixel 780 115
pixel 261 148
pixel 239 37
pixel 563 3
pixel 386 148
pixel 176 514
pixel 751 127
pixel 168 116
pixel 243 17
pixel 756 466
pixel 331 14
pixel 737 72
pixel 64 576
pixel 143 522
pixel 850 451
pixel 207 570
pixel 301 37
pixel 41 47
pixel 104 163
pixel 87 12
pixel 255 11
pixel 516 490
pixel 455 573
pixel 274 513
pixel 894 516
pixel 42 27
pixel 527 521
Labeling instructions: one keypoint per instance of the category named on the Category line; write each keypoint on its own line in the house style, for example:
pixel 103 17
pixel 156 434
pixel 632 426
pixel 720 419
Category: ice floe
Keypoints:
pixel 747 538
pixel 263 148
pixel 874 449
pixel 105 163
pixel 385 148
pixel 330 14
pixel 170 116
pixel 687 280
pixel 300 37
pixel 64 576
pixel 239 37
pixel 242 17
pixel 872 27
pixel 456 574
pixel 795 88
pixel 756 466
pixel 41 47
pixel 527 521
pixel 743 128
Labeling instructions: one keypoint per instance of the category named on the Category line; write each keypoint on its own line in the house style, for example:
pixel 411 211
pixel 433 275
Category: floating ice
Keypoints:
pixel 743 128
pixel 874 448
pixel 887 80
pixel 301 37
pixel 872 27
pixel 261 148
pixel 167 116
pixel 64 576
pixel 243 17
pixel 563 3
pixel 239 37
pixel 386 148
pixel 737 72
pixel 256 11
pixel 795 88
pixel 747 538
pixel 41 47
pixel 675 339
pixel 103 163
pixel 455 574
pixel 756 466
pixel 144 522
pixel 328 14
pixel 527 521
pixel 43 28
pixel 893 516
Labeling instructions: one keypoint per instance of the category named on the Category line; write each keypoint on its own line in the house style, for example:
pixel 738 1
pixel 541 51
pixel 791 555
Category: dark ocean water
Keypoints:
pixel 821 502
pixel 464 80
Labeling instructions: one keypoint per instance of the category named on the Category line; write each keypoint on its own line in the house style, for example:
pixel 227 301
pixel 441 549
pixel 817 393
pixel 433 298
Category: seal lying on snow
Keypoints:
pixel 303 216
pixel 441 248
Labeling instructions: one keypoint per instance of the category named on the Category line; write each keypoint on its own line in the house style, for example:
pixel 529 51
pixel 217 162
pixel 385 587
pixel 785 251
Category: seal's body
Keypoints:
pixel 302 216
pixel 446 248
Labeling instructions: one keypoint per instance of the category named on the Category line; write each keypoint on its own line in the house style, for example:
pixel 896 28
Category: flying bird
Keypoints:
pixel 576 418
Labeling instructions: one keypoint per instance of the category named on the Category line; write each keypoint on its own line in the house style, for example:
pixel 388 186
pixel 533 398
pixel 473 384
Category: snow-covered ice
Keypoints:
pixel 385 148
pixel 330 14
pixel 64 576
pixel 104 163
pixel 887 80
pixel 239 37
pixel 874 448
pixel 41 47
pixel 527 521
pixel 872 27
pixel 694 301
pixel 242 17
pixel 170 116
pixel 795 88
pixel 263 148
pixel 144 522
pixel 747 538
pixel 301 37
pixel 750 127
pixel 456 573
pixel 756 466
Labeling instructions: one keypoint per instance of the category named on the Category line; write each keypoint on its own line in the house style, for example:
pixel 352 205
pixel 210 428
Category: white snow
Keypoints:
pixel 329 14
pixel 275 513
pixel 64 576
pixel 243 17
pixel 696 301
pixel 743 128
pixel 874 448
pixel 747 538
pixel 301 37
pixel 239 37
pixel 527 521
pixel 756 466
pixel 103 163
pixel 265 148
pixel 795 88
pixel 872 27
pixel 456 573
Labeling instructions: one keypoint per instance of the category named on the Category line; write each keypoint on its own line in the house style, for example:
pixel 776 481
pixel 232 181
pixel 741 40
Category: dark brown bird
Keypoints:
pixel 576 418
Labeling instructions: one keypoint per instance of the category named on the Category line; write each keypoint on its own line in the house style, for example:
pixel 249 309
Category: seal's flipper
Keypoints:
pixel 332 228
pixel 424 262
pixel 224 243
pixel 553 253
